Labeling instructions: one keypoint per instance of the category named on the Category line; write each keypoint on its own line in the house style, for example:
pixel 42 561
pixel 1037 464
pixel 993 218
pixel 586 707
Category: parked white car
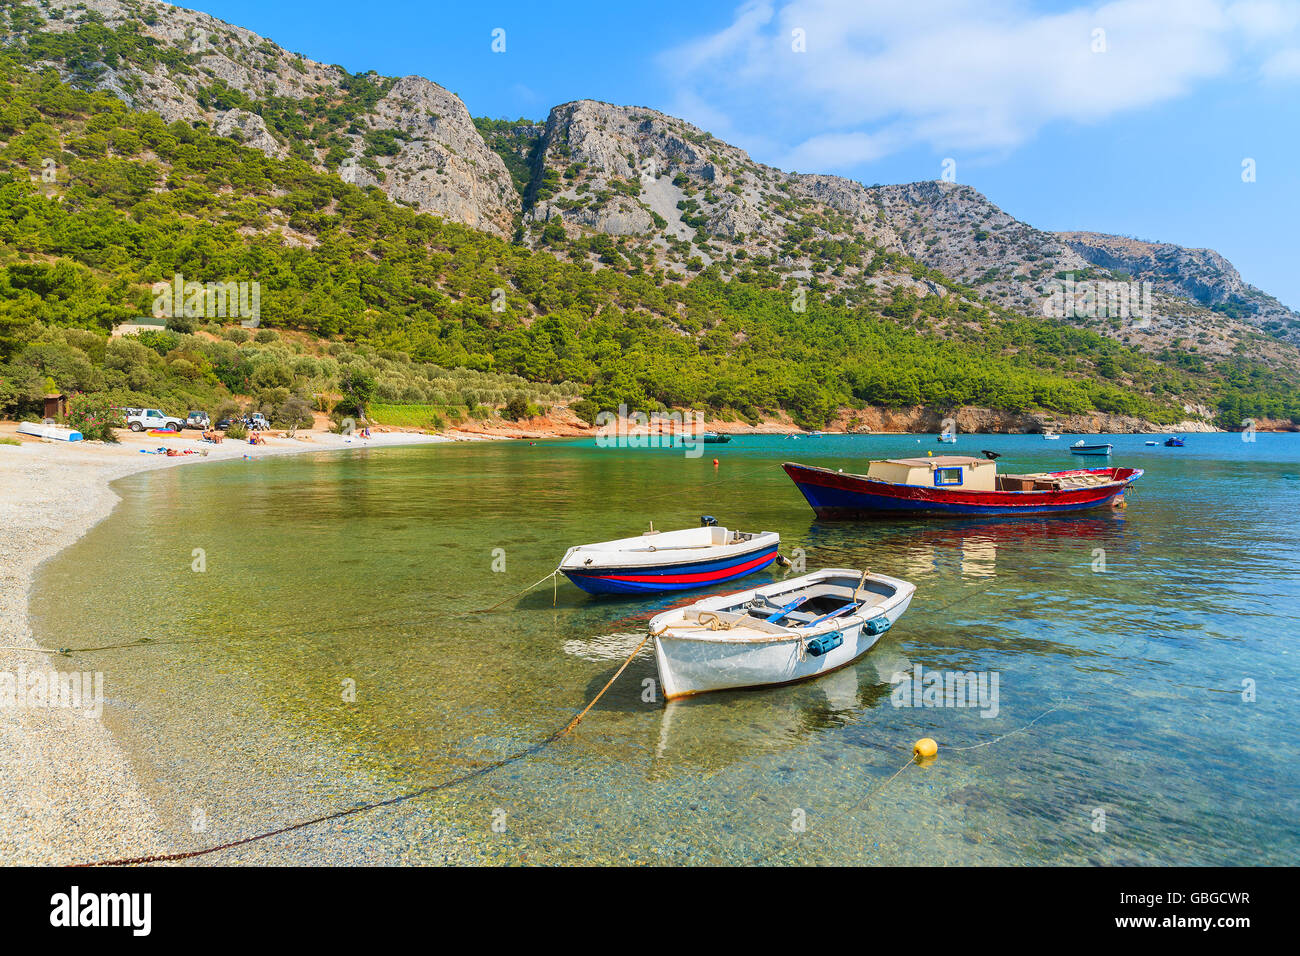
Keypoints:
pixel 153 418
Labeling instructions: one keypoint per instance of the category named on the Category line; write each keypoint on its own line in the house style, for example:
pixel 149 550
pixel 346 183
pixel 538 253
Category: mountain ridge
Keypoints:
pixel 701 201
pixel 651 217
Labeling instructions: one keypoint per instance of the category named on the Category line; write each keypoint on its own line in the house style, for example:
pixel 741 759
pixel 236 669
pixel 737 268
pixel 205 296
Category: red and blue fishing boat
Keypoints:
pixel 955 486
pixel 669 560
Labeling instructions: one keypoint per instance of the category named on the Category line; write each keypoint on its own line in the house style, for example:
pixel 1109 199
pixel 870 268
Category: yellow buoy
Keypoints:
pixel 925 747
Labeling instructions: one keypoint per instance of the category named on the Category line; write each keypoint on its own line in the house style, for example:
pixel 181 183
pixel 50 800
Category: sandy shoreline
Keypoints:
pixel 67 790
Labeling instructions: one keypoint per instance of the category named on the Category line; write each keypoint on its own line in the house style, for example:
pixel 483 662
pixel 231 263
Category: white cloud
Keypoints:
pixel 968 75
pixel 1262 19
pixel 838 150
pixel 1283 65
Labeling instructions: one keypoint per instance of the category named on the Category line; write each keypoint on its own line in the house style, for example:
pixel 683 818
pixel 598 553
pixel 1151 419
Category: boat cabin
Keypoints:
pixel 960 473
pixel 940 471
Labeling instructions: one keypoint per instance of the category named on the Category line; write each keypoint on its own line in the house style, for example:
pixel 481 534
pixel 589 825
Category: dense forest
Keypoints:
pixel 98 203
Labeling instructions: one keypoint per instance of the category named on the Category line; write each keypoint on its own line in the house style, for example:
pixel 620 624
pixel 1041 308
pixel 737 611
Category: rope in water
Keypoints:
pixel 1012 733
pixel 374 624
pixel 861 800
pixel 912 759
pixel 76 650
pixel 391 801
pixel 486 610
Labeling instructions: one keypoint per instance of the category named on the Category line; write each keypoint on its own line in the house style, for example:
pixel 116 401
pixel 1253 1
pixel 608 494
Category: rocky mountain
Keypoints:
pixel 409 136
pixel 632 188
pixel 1201 275
pixel 679 199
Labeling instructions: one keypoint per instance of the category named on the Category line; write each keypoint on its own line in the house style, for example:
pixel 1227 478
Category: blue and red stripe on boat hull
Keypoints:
pixel 676 577
pixel 835 496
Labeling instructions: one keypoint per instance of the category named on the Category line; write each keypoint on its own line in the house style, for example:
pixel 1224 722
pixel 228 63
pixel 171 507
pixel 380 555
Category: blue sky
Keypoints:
pixel 1139 129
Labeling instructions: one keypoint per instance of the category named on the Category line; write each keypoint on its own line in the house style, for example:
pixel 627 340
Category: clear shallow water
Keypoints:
pixel 367 567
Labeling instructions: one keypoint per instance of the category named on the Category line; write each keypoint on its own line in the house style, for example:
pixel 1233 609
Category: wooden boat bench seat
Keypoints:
pixel 842 597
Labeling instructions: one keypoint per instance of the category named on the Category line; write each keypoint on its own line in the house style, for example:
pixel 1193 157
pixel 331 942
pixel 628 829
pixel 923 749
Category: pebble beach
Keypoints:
pixel 67 790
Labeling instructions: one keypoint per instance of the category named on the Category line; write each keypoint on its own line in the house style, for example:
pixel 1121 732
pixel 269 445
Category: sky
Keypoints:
pixel 1166 120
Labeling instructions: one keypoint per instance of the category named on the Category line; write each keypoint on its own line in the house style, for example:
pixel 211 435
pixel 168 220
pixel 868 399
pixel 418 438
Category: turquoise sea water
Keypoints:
pixel 1126 641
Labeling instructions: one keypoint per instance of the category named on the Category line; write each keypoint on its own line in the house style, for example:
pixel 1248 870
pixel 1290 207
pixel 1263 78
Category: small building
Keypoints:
pixel 941 471
pixel 56 405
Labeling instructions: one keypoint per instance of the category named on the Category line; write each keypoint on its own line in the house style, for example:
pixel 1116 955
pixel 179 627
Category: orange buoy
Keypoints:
pixel 715 463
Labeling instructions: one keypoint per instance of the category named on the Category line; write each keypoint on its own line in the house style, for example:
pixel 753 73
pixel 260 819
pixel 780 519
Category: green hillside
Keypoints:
pixel 405 299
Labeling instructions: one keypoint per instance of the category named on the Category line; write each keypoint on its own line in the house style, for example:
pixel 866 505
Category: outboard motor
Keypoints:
pixel 708 521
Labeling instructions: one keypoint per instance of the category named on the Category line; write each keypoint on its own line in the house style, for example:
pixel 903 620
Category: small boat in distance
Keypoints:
pixel 713 438
pixel 777 634
pixel 669 560
pixel 1081 447
pixel 953 485
pixel 1172 442
pixel 1152 443
pixel 948 438
pixel 1051 435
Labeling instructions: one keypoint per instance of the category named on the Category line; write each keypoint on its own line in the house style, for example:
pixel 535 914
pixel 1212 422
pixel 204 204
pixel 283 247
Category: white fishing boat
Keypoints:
pixel 1050 435
pixel 53 432
pixel 669 560
pixel 776 634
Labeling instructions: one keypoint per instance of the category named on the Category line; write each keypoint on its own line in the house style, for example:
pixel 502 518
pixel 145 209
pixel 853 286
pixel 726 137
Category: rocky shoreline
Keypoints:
pixel 876 420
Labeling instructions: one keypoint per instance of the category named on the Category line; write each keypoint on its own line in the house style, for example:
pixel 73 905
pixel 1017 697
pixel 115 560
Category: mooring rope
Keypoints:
pixel 391 801
pixel 487 610
pixel 372 624
pixel 861 800
pixel 913 758
pixel 65 651
pixel 1012 733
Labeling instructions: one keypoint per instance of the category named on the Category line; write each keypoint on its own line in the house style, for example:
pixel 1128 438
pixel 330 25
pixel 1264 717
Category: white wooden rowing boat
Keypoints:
pixel 776 634
pixel 55 432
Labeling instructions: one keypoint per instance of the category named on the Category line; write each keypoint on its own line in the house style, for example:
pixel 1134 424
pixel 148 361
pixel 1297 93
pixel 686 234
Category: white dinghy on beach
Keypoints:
pixel 776 634
pixel 48 431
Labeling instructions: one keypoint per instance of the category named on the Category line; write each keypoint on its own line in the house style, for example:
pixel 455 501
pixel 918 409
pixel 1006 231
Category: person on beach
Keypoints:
pixel 256 438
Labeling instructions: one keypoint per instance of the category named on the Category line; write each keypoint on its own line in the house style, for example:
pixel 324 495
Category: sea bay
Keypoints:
pixel 333 651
